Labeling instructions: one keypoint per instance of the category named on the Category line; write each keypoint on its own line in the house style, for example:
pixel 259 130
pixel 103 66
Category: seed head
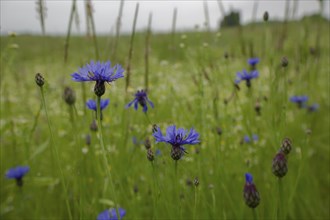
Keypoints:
pixel 39 79
pixel 69 96
pixel 280 166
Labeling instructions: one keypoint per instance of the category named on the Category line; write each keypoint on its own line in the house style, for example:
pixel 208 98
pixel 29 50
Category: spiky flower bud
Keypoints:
pixel 286 146
pixel 280 166
pixel 284 62
pixel 93 126
pixel 176 153
pixel 99 88
pixel 147 143
pixel 196 181
pixel 266 16
pixel 39 79
pixel 69 96
pixel 150 155
pixel 250 193
pixel 88 139
pixel 154 128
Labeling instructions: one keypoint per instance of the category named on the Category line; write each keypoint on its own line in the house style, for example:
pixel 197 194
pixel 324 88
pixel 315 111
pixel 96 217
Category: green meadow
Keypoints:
pixel 191 83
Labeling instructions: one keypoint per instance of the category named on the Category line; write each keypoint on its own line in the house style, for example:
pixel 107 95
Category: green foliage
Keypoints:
pixel 188 85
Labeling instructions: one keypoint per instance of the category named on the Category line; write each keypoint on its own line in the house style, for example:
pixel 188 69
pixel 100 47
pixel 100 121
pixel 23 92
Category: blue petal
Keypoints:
pixel 248 178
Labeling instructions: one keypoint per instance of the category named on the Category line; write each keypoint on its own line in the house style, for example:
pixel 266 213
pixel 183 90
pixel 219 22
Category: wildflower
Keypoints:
pixel 39 79
pixel 100 73
pixel 177 138
pixel 250 193
pixel 111 214
pixel 266 16
pixel 300 100
pixel 313 108
pixel 253 62
pixel 142 99
pixel 286 146
pixel 247 138
pixel 17 173
pixel 69 96
pixel 280 167
pixel 91 104
pixel 147 143
pixel 93 126
pixel 247 76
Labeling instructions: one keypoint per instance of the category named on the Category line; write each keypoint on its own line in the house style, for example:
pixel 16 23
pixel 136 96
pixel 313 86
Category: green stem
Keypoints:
pixel 106 163
pixel 54 149
pixel 280 200
pixel 255 214
pixel 195 203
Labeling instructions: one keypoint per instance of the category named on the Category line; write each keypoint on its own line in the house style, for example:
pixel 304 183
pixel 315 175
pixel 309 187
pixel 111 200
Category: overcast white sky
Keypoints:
pixel 21 15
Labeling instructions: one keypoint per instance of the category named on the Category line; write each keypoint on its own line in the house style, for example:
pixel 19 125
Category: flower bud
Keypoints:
pixel 266 16
pixel 280 166
pixel 39 79
pixel 176 153
pixel 69 96
pixel 284 62
pixel 250 192
pixel 286 146
pixel 150 155
pixel 99 88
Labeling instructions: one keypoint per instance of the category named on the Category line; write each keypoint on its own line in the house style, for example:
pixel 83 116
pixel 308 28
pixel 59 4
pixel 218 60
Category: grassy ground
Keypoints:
pixel 190 84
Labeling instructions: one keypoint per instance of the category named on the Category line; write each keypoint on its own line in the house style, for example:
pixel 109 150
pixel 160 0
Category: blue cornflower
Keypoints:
pixel 253 61
pixel 17 173
pixel 247 76
pixel 92 105
pixel 100 73
pixel 177 138
pixel 110 214
pixel 247 138
pixel 300 100
pixel 141 98
pixel 313 108
pixel 250 192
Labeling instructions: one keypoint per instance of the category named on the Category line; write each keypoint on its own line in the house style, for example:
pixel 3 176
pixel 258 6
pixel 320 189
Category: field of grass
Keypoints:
pixel 191 84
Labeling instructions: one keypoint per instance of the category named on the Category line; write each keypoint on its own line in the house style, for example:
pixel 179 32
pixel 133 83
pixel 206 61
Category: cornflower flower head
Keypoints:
pixel 253 62
pixel 247 76
pixel 247 138
pixel 100 73
pixel 177 138
pixel 92 105
pixel 313 108
pixel 300 100
pixel 17 173
pixel 141 98
pixel 250 192
pixel 111 214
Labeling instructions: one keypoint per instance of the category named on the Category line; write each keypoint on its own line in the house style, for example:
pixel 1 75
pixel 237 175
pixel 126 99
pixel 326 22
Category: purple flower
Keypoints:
pixel 247 76
pixel 177 138
pixel 253 61
pixel 141 98
pixel 110 214
pixel 100 73
pixel 313 108
pixel 300 100
pixel 17 173
pixel 91 104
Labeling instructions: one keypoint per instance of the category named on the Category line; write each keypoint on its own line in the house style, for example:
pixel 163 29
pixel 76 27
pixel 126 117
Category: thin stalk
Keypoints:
pixel 255 214
pixel 105 159
pixel 130 53
pixel 118 24
pixel 207 16
pixel 66 45
pixel 94 34
pixel 54 149
pixel 195 203
pixel 175 12
pixel 146 54
pixel 155 190
pixel 280 200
